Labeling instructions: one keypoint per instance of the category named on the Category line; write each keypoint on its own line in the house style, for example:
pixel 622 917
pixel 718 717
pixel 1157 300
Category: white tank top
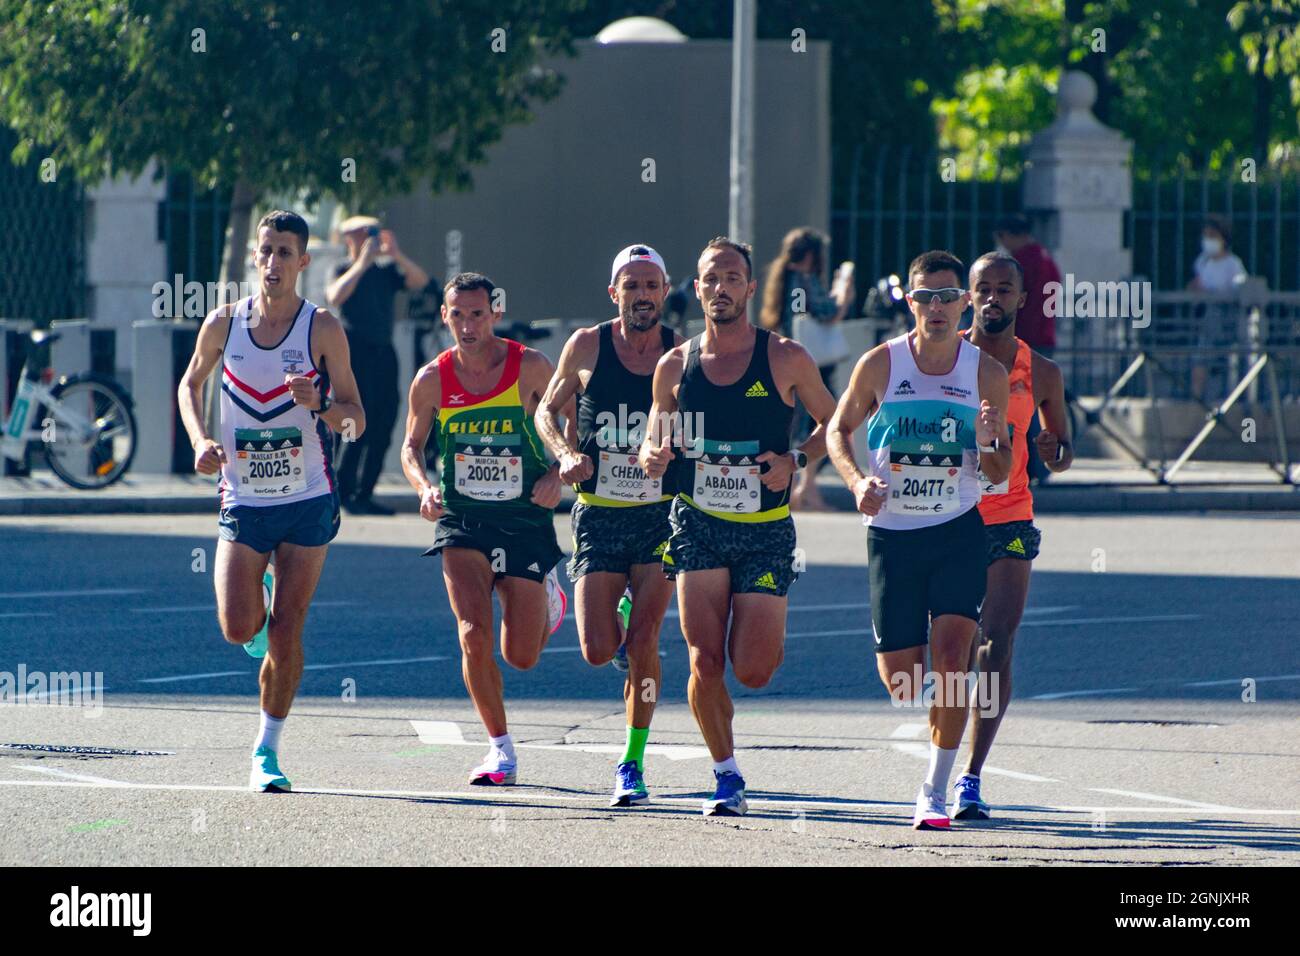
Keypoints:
pixel 922 440
pixel 277 452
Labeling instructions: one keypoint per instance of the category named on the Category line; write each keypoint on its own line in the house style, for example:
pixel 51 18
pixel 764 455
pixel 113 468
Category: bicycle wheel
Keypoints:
pixel 90 434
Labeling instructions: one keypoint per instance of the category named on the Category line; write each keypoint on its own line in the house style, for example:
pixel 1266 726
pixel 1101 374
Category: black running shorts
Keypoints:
pixel 923 573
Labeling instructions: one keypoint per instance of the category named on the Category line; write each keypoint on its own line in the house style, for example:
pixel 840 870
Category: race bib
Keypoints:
pixel 269 462
pixel 923 483
pixel 727 477
pixel 489 467
pixel 619 476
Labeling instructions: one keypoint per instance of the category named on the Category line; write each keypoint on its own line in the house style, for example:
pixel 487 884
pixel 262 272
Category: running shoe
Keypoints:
pixel 557 602
pixel 629 786
pixel 930 811
pixel 625 615
pixel 729 799
pixel 968 805
pixel 496 770
pixel 256 648
pixel 266 776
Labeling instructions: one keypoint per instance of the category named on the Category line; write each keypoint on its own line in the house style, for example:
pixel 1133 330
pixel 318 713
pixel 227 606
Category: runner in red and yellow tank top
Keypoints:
pixel 997 292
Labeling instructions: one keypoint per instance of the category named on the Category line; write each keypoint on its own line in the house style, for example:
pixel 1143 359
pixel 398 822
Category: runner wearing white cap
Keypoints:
pixel 620 521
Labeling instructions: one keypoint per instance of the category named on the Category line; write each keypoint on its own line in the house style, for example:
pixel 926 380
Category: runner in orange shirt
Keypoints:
pixel 997 292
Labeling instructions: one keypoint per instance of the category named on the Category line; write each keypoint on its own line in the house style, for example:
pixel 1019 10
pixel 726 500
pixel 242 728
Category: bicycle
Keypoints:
pixel 85 421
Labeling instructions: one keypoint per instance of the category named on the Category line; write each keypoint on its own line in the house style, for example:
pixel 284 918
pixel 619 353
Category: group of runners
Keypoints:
pixel 680 454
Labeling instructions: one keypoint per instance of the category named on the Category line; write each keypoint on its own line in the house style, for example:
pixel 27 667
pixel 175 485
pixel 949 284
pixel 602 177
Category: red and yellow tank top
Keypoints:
pixel 1011 500
pixel 489 451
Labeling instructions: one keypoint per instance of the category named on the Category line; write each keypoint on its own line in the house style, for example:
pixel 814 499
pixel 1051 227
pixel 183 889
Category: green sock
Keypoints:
pixel 636 738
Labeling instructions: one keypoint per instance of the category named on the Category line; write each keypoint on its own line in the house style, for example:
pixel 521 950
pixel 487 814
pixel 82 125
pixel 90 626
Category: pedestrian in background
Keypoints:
pixel 363 291
pixel 1034 324
pixel 1218 270
pixel 797 305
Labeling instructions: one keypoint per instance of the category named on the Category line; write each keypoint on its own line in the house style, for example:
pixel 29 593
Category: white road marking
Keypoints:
pixel 306 667
pixel 908 731
pixel 28 614
pixel 796 608
pixel 91 592
pixel 68 775
pixel 1112 620
pixel 447 733
pixel 922 751
pixel 1236 682
pixel 597 801
pixel 1061 695
pixel 1138 795
pixel 212 608
pixel 180 677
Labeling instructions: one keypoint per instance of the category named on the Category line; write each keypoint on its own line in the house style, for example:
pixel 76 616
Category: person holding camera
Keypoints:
pixel 363 292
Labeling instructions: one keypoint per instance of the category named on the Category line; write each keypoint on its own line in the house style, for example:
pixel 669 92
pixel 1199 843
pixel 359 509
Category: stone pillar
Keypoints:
pixel 124 255
pixel 1077 189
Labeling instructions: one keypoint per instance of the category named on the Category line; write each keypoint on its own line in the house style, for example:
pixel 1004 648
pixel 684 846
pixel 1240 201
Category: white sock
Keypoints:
pixel 505 745
pixel 726 766
pixel 270 732
pixel 941 762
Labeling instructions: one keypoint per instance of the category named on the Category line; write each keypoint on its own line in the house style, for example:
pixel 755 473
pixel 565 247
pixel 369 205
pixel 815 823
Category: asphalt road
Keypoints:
pixel 1129 741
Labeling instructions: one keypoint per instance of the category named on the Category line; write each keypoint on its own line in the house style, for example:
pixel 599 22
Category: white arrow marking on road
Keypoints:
pixel 448 733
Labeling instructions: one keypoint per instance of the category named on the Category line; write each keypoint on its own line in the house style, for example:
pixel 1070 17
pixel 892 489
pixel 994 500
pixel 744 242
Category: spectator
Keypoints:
pixel 812 318
pixel 1218 270
pixel 1033 323
pixel 363 291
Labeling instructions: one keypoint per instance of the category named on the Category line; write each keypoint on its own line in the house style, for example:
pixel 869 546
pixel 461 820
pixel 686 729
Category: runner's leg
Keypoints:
pixel 757 638
pixel 523 621
pixel 704 601
pixel 1004 604
pixel 651 592
pixel 298 570
pixel 468 577
pixel 596 597
pixel 237 579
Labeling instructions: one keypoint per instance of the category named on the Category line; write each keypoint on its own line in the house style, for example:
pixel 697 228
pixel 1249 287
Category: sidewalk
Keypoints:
pixel 1091 485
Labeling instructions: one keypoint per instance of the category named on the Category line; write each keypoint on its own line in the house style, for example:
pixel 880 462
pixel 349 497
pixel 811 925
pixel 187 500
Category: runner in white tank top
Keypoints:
pixel 286 380
pixel 282 450
pixel 938 413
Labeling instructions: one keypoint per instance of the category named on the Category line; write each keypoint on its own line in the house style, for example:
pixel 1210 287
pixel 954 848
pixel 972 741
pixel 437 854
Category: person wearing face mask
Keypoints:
pixel 1218 270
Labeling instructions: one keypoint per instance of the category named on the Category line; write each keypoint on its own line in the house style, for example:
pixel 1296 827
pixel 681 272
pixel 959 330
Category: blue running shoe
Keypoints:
pixel 625 615
pixel 266 776
pixel 968 805
pixel 629 786
pixel 729 799
pixel 256 648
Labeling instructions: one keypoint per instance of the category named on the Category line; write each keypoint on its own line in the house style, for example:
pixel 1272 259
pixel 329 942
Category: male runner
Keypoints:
pixel 494 501
pixel 731 392
pixel 1007 507
pixel 620 521
pixel 938 413
pixel 281 356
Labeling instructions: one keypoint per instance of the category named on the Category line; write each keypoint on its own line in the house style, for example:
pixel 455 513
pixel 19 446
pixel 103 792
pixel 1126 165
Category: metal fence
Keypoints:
pixel 43 272
pixel 192 225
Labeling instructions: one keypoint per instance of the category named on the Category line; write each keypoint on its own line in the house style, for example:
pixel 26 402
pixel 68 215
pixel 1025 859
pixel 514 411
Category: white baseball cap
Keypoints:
pixel 637 253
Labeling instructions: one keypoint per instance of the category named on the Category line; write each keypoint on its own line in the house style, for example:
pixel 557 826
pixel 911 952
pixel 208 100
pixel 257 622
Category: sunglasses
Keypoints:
pixel 946 296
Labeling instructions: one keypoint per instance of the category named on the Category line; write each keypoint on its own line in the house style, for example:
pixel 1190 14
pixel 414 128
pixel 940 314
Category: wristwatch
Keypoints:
pixel 990 448
pixel 325 403
pixel 800 459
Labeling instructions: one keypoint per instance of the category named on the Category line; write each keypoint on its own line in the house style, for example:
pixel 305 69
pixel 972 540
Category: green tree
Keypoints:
pixel 273 97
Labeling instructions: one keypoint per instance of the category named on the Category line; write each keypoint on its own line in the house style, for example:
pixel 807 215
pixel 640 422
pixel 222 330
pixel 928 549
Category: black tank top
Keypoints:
pixel 612 413
pixel 726 428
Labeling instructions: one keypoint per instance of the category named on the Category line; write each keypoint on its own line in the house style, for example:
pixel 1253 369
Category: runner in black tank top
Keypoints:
pixel 620 521
pixel 732 550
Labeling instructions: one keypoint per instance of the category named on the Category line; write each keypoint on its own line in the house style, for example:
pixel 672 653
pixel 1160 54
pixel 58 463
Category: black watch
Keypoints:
pixel 800 459
pixel 325 403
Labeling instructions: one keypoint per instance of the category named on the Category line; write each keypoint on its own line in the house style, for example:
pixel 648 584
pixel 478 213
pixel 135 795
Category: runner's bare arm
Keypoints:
pixel 656 449
pixel 579 356
pixel 811 390
pixel 1055 437
pixel 345 414
pixel 869 379
pixel 535 374
pixel 421 413
pixel 208 453
pixel 991 421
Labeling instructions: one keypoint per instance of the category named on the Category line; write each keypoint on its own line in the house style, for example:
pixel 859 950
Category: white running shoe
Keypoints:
pixel 496 770
pixel 931 814
pixel 557 602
